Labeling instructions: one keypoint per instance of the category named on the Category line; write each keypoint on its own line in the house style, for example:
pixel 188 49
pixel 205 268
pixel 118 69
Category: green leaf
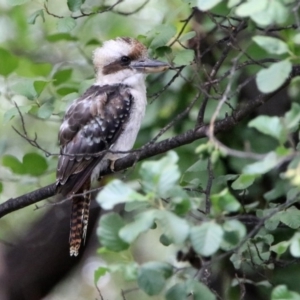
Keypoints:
pixel 66 24
pixel 176 229
pixel 164 268
pixel 35 15
pixel 143 221
pixel 199 165
pixel 269 162
pixel 150 281
pixel 273 222
pixel 108 232
pixel 232 3
pixel 17 2
pixel 292 117
pixel 161 176
pixel 187 36
pixel 199 290
pixel 34 164
pixel 26 88
pixel 271 44
pixel 234 232
pixel 224 202
pixel 280 248
pixel 75 5
pixel 8 62
pixel 99 273
pixel 264 12
pixel 176 292
pixel 11 113
pixel 28 68
pixel 281 292
pixel 271 126
pixel 295 245
pixel 205 5
pixel 290 217
pixel 251 7
pixel 243 182
pixel 296 39
pixel 14 164
pixel 184 57
pixel 63 91
pixel 270 79
pixel 116 192
pixel 206 238
pixel 46 110
pixel 39 86
pixel 62 76
pixel 60 37
pixel 1 187
pixel 163 33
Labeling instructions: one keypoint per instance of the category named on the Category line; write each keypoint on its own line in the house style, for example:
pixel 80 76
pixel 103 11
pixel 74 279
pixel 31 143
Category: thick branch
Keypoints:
pixel 188 137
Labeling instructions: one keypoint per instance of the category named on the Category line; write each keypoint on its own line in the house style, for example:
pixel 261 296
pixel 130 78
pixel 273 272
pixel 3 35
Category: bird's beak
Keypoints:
pixel 148 65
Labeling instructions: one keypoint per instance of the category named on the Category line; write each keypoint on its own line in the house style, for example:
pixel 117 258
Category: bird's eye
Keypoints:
pixel 125 59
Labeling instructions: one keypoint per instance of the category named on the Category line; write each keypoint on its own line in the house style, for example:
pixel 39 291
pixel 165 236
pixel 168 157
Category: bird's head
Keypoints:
pixel 122 58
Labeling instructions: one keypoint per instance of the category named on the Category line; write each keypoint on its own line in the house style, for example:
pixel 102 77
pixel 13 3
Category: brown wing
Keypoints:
pixel 91 125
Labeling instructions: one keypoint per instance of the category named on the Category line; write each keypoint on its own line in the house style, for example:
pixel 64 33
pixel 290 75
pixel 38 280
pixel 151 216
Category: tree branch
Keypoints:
pixel 188 137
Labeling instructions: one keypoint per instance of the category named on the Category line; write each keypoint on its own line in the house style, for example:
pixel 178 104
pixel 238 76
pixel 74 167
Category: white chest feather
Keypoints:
pixel 127 138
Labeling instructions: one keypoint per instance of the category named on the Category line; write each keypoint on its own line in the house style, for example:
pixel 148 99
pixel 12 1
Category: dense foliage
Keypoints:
pixel 217 217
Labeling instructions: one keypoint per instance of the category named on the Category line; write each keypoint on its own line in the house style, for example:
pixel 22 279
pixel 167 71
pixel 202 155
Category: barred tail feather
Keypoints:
pixel 79 222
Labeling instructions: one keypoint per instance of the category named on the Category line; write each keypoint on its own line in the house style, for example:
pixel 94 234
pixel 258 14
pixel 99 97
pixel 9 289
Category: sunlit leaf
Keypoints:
pixel 291 217
pixel 117 192
pixel 251 7
pixel 143 221
pixel 243 182
pixel 205 5
pixel 280 247
pixel 295 245
pixel 206 238
pixel 281 292
pixel 175 228
pixel 269 125
pixel 160 176
pixel 187 36
pixel 270 79
pixel 271 44
pixel 224 202
pixel 292 117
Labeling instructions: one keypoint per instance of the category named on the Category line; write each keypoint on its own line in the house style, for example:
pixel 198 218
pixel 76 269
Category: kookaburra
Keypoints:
pixel 104 120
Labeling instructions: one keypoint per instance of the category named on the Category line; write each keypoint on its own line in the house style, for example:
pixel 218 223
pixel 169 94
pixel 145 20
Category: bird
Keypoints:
pixel 102 124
